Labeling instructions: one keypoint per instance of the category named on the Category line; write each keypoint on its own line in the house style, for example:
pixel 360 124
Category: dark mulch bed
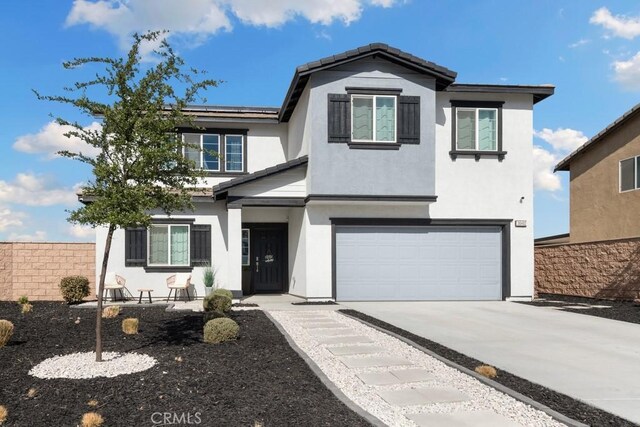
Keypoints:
pixel 625 311
pixel 257 377
pixel 557 401
pixel 315 303
pixel 245 304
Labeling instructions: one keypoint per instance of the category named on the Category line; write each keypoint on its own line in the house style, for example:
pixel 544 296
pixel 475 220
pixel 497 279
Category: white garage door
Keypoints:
pixel 418 263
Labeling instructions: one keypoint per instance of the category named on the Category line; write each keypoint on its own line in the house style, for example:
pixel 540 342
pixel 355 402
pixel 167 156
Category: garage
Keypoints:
pixel 418 263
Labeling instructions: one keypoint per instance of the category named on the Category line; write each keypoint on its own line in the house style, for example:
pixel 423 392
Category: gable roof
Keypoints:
pixel 620 121
pixel 273 170
pixel 444 76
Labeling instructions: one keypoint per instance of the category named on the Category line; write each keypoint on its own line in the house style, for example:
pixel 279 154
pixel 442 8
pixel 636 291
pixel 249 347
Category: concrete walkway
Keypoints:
pixel 397 383
pixel 589 358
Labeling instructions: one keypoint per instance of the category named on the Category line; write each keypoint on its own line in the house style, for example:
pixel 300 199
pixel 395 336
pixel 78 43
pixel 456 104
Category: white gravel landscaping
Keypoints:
pixel 84 365
pixel 481 397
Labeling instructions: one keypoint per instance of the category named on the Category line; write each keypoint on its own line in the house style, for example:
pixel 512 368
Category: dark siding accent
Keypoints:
pixel 409 119
pixel 339 118
pixel 200 245
pixel 135 247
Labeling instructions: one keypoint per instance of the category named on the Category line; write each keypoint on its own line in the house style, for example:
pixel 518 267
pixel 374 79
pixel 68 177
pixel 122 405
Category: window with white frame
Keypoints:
pixel 477 129
pixel 245 246
pixel 168 245
pixel 629 174
pixel 203 150
pixel 233 153
pixel 373 118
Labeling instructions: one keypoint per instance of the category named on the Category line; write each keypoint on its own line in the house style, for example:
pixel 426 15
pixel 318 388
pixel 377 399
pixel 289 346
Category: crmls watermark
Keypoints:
pixel 175 418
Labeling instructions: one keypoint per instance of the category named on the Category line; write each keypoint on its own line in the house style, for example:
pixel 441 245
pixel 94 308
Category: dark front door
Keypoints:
pixel 269 258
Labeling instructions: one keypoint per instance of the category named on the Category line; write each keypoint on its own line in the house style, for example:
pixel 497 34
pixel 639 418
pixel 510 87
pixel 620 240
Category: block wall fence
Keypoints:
pixel 35 269
pixel 606 269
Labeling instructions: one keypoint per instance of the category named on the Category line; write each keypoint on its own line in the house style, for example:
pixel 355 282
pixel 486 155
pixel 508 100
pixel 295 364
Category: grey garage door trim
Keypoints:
pixel 504 224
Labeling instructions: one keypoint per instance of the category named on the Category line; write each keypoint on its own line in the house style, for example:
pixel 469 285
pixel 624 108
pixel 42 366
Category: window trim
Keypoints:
pixel 248 245
pixel 374 97
pixel 169 226
pixel 476 132
pixel 202 135
pixel 477 105
pixel 635 174
pixel 242 154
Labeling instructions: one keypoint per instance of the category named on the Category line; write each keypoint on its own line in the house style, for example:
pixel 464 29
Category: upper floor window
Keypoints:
pixel 373 118
pixel 220 151
pixel 629 175
pixel 476 129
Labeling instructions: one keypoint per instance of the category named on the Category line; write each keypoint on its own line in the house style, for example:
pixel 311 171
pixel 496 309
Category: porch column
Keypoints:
pixel 234 234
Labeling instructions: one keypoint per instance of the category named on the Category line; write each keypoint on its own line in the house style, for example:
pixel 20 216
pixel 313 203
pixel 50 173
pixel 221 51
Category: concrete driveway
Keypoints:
pixel 592 359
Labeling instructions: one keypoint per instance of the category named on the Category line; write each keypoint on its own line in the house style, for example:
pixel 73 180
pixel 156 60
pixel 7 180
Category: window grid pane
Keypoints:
pixel 362 119
pixel 487 130
pixel 211 148
pixel 233 153
pixel 192 148
pixel 466 129
pixel 245 247
pixel 158 245
pixel 179 245
pixel 627 175
pixel 385 118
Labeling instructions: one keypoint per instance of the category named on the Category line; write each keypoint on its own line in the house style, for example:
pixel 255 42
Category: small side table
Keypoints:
pixel 142 291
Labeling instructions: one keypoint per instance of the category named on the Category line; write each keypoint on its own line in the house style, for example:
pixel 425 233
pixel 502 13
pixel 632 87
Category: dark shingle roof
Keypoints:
pixel 282 167
pixel 539 92
pixel 564 164
pixel 443 75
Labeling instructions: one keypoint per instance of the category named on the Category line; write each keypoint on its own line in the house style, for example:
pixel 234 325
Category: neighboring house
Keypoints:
pixel 379 178
pixel 604 179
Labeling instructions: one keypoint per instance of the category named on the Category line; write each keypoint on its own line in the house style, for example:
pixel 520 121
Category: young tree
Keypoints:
pixel 140 166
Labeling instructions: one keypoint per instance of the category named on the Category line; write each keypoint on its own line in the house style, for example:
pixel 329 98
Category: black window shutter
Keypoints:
pixel 135 247
pixel 339 117
pixel 409 119
pixel 200 245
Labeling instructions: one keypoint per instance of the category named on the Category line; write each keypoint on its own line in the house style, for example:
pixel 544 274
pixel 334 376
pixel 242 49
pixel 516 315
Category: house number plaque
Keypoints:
pixel 268 258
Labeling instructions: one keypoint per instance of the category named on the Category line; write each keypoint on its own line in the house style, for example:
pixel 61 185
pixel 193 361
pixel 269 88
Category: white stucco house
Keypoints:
pixel 379 178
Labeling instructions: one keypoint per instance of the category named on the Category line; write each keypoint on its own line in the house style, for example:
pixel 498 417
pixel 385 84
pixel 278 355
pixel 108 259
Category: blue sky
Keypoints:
pixel 590 50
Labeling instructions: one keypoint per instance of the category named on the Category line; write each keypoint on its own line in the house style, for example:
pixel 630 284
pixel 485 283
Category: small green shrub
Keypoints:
pixel 215 302
pixel 6 331
pixel 110 312
pixel 209 276
pixel 210 315
pixel 220 330
pixel 130 326
pixel 23 300
pixel 224 292
pixel 74 289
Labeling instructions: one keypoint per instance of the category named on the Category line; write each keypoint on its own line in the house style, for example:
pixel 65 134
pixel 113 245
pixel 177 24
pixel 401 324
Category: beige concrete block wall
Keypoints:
pixel 35 269
pixel 608 269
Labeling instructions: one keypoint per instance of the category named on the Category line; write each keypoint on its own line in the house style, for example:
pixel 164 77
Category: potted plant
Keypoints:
pixel 209 279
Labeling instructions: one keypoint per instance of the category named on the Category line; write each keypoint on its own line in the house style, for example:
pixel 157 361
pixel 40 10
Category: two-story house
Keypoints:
pixel 379 178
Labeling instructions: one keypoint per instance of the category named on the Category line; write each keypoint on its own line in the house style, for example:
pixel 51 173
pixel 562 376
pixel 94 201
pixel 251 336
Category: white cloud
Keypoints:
pixel 51 139
pixel 543 176
pixel 627 73
pixel 81 232
pixel 36 190
pixel 562 139
pixel 11 219
pixel 37 236
pixel 195 20
pixel 579 43
pixel 618 25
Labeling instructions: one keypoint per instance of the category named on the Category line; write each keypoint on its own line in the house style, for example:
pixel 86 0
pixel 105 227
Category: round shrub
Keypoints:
pixel 91 419
pixel 224 292
pixel 215 302
pixel 74 288
pixel 23 300
pixel 110 312
pixel 220 330
pixel 130 326
pixel 6 331
pixel 210 315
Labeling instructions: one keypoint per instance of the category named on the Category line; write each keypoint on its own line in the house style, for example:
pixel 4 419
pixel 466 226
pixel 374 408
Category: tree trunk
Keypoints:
pixel 103 273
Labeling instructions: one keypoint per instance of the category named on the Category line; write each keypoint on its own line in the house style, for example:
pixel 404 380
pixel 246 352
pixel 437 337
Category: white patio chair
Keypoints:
pixel 179 281
pixel 114 282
